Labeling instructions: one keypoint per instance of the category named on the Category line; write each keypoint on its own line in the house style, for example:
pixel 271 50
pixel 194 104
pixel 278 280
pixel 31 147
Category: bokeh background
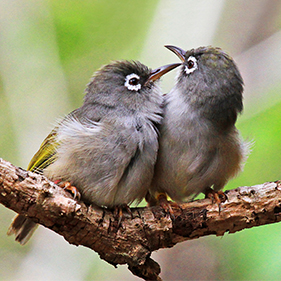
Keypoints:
pixel 48 52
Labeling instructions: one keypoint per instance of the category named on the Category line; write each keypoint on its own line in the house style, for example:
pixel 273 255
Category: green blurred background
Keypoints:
pixel 48 52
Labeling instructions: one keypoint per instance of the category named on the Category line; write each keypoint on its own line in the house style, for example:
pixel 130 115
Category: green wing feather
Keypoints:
pixel 46 154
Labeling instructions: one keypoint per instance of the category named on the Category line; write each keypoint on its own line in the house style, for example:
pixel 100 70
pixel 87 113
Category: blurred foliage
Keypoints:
pixel 92 33
pixel 7 140
pixel 249 26
pixel 263 163
pixel 89 34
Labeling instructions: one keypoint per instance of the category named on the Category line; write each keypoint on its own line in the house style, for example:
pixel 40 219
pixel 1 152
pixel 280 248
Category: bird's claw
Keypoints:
pixel 118 213
pixel 72 189
pixel 216 196
pixel 167 205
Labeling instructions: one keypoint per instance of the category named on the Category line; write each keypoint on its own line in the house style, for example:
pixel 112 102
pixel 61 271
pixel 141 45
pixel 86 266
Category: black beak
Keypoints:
pixel 178 51
pixel 160 71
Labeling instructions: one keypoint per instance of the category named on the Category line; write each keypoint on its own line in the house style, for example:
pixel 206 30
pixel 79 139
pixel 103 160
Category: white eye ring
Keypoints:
pixel 191 65
pixel 128 82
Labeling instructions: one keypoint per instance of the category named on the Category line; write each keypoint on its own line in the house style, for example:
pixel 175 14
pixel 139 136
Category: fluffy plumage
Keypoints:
pixel 200 146
pixel 106 148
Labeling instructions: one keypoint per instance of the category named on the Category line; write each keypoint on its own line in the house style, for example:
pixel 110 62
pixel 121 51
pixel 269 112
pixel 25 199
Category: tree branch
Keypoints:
pixel 150 228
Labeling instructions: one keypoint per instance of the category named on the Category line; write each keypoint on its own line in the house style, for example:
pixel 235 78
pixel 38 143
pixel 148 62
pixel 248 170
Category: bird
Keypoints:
pixel 106 149
pixel 200 149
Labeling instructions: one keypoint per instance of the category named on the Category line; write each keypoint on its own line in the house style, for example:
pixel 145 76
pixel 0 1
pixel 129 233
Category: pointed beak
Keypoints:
pixel 178 51
pixel 160 71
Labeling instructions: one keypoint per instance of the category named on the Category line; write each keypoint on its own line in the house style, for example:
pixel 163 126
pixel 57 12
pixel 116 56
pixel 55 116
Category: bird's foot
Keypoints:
pixel 118 213
pixel 216 196
pixel 68 187
pixel 167 205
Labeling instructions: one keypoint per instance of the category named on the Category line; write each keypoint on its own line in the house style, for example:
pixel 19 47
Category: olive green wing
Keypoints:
pixel 46 154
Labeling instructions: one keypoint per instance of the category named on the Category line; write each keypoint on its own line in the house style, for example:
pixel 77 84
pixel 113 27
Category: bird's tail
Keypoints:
pixel 22 227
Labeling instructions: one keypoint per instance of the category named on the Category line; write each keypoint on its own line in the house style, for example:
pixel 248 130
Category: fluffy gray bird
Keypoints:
pixel 199 145
pixel 106 148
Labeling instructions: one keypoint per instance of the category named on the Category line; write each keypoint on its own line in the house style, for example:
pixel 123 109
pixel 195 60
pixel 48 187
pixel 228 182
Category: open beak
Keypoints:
pixel 160 71
pixel 178 51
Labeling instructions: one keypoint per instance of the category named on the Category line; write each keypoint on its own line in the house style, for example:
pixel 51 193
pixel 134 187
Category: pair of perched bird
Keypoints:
pixel 128 141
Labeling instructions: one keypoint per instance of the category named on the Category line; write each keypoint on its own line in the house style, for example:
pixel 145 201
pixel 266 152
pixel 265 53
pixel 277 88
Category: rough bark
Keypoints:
pixel 147 230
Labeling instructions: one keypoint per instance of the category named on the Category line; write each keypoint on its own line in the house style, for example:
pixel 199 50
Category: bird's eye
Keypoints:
pixel 132 82
pixel 191 65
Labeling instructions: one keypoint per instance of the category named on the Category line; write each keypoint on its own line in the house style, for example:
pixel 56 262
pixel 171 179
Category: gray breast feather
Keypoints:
pixel 110 162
